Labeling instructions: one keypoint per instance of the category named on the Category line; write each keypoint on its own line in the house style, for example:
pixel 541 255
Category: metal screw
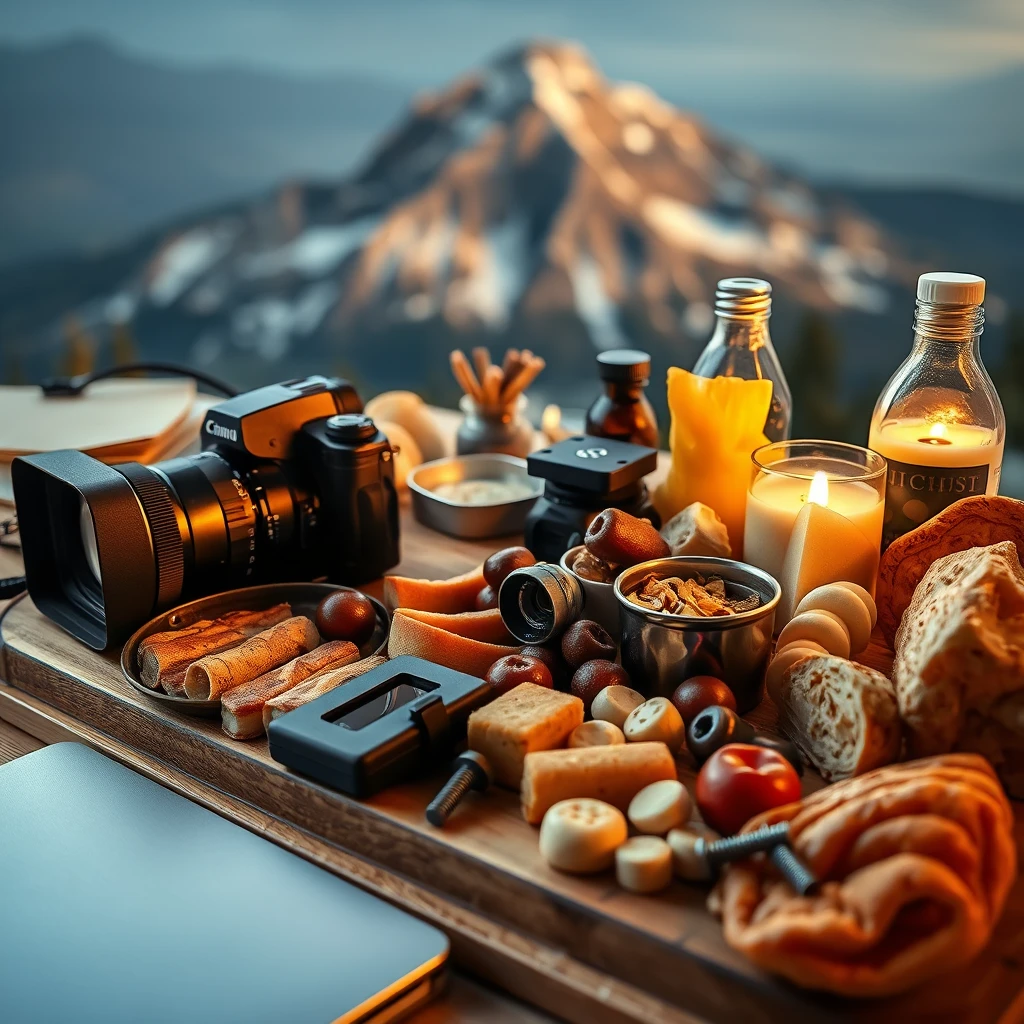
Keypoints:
pixel 721 851
pixel 793 869
pixel 469 771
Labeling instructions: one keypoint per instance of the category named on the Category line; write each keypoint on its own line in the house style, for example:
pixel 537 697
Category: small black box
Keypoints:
pixel 381 728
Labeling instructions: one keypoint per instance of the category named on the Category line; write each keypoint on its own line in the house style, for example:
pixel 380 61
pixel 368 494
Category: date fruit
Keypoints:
pixel 593 676
pixel 586 641
pixel 502 562
pixel 553 659
pixel 589 567
pixel 695 694
pixel 487 598
pixel 622 539
pixel 346 615
pixel 508 672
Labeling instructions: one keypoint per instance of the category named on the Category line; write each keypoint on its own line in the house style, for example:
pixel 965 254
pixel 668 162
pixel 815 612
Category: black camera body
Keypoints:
pixel 293 482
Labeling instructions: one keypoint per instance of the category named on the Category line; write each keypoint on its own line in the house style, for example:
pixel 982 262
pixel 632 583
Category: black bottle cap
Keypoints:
pixel 350 426
pixel 624 366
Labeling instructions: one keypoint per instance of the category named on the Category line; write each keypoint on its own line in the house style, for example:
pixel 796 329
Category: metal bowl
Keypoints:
pixel 472 522
pixel 303 597
pixel 660 650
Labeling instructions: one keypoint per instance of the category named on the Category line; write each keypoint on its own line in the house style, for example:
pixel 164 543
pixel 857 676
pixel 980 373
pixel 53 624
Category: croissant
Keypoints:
pixel 915 861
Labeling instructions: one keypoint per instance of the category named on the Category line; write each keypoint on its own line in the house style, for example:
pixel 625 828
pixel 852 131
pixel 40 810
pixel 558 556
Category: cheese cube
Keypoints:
pixel 528 717
pixel 825 547
pixel 614 774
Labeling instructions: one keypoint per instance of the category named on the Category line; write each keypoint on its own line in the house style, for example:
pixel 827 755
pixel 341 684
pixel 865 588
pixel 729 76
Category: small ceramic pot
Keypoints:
pixel 599 602
pixel 482 430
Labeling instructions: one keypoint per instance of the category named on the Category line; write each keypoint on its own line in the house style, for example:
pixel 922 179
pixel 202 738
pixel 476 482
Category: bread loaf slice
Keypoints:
pixel 316 686
pixel 165 657
pixel 209 677
pixel 843 716
pixel 241 708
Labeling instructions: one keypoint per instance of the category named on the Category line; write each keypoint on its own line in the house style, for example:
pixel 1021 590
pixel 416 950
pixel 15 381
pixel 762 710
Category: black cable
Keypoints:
pixel 11 587
pixel 72 386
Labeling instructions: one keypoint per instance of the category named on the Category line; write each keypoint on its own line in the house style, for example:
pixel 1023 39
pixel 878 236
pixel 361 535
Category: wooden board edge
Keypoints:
pixel 541 976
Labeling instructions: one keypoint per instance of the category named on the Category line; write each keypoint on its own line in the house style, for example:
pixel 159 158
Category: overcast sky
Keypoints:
pixel 787 42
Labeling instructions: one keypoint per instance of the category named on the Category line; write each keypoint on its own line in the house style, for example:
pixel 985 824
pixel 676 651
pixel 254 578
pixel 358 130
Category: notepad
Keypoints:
pixel 131 416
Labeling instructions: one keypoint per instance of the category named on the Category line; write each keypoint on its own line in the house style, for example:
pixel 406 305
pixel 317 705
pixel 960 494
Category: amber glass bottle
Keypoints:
pixel 623 413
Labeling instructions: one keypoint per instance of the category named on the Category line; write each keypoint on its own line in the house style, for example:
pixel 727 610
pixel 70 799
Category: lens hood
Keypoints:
pixel 52 491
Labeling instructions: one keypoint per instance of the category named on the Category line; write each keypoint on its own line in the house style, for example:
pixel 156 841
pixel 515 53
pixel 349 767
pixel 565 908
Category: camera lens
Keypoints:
pixel 88 531
pixel 538 602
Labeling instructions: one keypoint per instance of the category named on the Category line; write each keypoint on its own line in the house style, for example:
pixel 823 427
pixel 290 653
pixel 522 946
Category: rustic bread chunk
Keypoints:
pixel 959 669
pixel 527 718
pixel 967 523
pixel 241 708
pixel 209 677
pixel 843 716
pixel 612 774
pixel 697 530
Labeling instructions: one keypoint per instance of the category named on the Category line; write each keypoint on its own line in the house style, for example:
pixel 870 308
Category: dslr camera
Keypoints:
pixel 293 483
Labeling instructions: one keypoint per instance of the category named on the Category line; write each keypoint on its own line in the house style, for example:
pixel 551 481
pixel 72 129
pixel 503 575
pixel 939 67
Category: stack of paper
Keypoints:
pixel 112 420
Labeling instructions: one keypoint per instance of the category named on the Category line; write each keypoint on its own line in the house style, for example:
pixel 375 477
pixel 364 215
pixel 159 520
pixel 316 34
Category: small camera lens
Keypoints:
pixel 539 601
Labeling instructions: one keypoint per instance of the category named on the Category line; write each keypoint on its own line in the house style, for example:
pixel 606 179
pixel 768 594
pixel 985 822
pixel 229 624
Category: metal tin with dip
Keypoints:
pixel 659 650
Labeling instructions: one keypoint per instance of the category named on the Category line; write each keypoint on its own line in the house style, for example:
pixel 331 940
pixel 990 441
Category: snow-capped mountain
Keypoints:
pixel 532 199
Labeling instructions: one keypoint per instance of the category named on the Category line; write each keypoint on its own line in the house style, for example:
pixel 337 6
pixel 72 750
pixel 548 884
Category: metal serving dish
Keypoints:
pixel 303 597
pixel 472 522
pixel 660 650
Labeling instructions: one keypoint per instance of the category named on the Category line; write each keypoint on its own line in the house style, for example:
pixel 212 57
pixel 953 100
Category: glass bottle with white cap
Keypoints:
pixel 742 347
pixel 939 422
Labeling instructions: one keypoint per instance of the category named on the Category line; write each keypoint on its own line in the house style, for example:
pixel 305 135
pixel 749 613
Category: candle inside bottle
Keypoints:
pixel 919 442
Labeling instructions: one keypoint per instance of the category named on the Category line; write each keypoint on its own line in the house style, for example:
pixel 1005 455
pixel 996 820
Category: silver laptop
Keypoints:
pixel 121 901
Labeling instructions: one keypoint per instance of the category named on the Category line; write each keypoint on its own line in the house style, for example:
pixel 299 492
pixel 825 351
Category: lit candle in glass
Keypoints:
pixel 845 482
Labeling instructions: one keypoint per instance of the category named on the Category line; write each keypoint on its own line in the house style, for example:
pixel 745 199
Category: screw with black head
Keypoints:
pixel 470 770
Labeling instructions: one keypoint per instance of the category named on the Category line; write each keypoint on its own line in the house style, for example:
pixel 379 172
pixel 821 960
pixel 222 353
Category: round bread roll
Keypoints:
pixel 847 605
pixel 581 836
pixel 660 807
pixel 614 704
pixel 644 864
pixel 409 411
pixel 865 596
pixel 407 456
pixel 825 628
pixel 596 734
pixel 656 719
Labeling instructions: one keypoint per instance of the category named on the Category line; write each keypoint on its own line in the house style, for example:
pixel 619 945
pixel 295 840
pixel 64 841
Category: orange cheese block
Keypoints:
pixel 487 626
pixel 411 635
pixel 457 594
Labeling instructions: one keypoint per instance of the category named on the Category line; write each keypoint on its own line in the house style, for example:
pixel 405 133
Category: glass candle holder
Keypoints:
pixel 845 482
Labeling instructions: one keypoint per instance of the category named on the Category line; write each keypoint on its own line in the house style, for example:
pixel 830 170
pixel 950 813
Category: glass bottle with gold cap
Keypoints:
pixel 742 347
pixel 939 422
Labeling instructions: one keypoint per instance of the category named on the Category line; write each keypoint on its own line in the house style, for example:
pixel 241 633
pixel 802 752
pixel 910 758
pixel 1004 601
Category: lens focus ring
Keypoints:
pixel 163 525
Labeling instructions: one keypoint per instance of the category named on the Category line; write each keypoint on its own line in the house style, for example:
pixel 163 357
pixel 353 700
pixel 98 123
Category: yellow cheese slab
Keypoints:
pixel 825 547
pixel 716 423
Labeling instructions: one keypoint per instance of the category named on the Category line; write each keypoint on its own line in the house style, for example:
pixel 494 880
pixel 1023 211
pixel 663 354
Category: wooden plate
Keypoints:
pixel 303 597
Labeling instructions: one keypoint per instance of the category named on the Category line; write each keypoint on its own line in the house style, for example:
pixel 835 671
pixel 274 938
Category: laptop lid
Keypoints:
pixel 121 901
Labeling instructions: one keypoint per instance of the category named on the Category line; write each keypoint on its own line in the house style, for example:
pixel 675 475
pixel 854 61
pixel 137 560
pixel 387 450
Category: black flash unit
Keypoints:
pixel 396 721
pixel 584 475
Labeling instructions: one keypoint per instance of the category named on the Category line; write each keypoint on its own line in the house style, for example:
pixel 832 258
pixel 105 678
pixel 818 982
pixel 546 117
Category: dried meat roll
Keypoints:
pixel 209 677
pixel 165 657
pixel 241 708
pixel 316 686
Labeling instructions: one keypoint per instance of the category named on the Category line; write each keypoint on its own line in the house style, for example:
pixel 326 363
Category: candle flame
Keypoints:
pixel 937 430
pixel 818 492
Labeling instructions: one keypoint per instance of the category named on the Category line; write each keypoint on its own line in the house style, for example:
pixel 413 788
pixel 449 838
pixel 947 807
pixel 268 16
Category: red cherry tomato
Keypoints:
pixel 740 780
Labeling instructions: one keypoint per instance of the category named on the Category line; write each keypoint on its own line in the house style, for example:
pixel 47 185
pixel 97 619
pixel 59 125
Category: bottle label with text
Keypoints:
pixel 914 494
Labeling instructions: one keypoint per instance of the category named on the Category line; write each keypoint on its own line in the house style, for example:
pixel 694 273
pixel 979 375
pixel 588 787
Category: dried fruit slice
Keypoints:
pixel 486 625
pixel 411 635
pixel 457 594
